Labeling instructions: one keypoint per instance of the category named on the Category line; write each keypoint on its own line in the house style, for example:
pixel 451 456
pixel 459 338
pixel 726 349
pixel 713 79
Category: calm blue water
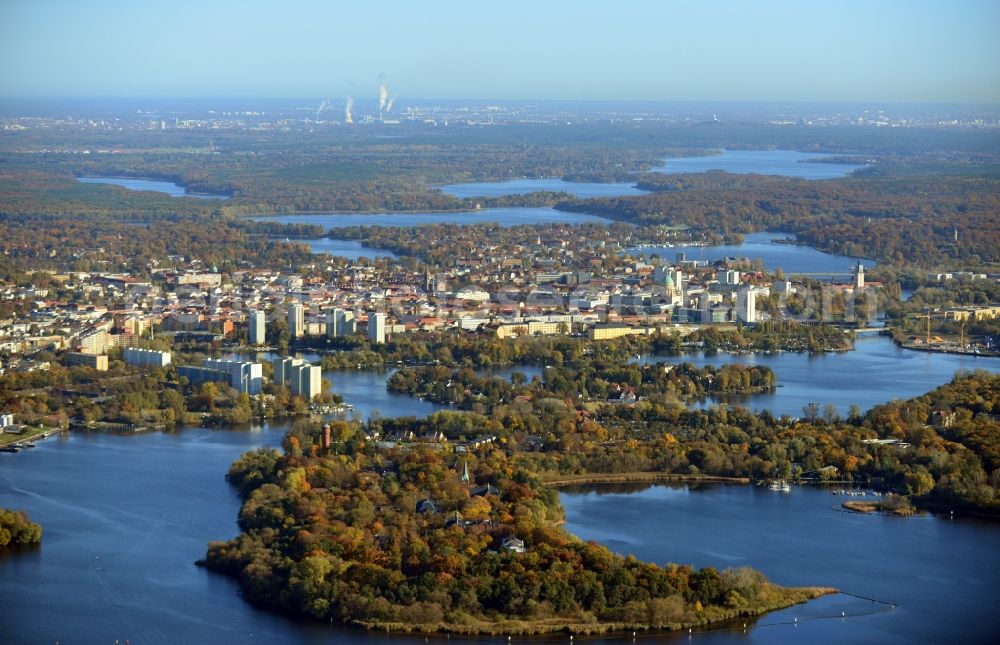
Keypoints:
pixel 367 393
pixel 125 517
pixel 502 216
pixel 350 249
pixel 581 190
pixel 875 372
pixel 786 163
pixel 153 185
pixel 943 574
pixel 778 162
pixel 791 258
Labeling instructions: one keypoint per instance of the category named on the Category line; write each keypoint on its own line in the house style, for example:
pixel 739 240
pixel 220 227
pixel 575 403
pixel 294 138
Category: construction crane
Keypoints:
pixel 927 317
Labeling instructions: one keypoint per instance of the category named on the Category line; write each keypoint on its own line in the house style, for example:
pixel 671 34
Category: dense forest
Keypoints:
pixel 941 448
pixel 359 169
pixel 474 350
pixel 587 381
pixel 413 534
pixel 768 336
pixel 400 539
pixel 899 220
pixel 29 245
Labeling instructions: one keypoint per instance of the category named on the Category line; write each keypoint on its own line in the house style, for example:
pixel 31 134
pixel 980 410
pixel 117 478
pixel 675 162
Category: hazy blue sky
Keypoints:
pixel 912 50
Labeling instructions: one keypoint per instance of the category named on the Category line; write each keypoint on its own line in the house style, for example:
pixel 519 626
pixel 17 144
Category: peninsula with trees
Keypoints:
pixel 421 539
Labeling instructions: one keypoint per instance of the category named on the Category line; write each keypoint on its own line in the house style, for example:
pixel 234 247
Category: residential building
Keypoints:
pixel 346 323
pixel 307 381
pixel 296 320
pixel 244 376
pixel 376 328
pixel 283 370
pixel 95 342
pixel 299 376
pixel 331 323
pixel 145 357
pixel 746 306
pixel 98 362
pixel 533 328
pixel 257 327
pixel 198 375
pixel 728 278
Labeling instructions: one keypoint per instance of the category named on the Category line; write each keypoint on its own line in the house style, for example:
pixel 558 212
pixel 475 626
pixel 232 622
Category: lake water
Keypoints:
pixel 350 249
pixel 776 162
pixel 579 189
pixel 130 183
pixel 785 163
pixel 501 216
pixel 875 372
pixel 125 517
pixel 367 393
pixel 942 574
pixel 792 258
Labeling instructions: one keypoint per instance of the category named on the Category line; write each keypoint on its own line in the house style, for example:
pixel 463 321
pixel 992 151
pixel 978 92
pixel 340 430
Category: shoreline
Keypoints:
pixel 639 478
pixel 946 350
pixel 789 597
pixel 878 508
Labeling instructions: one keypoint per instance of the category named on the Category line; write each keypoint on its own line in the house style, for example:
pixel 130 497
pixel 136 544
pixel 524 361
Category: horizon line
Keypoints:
pixel 289 97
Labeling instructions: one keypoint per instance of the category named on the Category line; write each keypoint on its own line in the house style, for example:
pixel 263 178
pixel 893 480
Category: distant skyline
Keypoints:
pixel 774 50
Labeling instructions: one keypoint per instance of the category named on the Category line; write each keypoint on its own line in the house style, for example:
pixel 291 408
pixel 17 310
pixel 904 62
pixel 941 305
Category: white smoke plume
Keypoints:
pixel 322 106
pixel 388 106
pixel 383 92
pixel 348 106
